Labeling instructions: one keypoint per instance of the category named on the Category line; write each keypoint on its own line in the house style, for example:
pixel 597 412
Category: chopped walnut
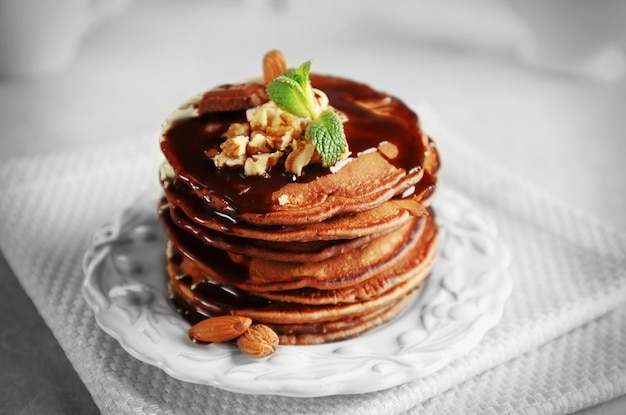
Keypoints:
pixel 300 156
pixel 223 160
pixel 257 117
pixel 235 147
pixel 238 128
pixel 279 137
pixel 258 164
pixel 258 144
pixel 268 135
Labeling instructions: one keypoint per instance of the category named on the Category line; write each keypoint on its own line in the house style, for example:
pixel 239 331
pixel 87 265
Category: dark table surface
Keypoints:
pixel 36 377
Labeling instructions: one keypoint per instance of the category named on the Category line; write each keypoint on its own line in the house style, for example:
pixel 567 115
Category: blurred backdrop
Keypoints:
pixel 536 85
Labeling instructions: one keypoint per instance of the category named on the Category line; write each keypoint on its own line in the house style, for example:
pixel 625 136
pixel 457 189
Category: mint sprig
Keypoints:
pixel 292 92
pixel 326 134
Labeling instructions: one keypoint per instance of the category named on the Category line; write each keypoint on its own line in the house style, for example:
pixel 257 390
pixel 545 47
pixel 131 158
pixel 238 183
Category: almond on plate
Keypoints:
pixel 219 329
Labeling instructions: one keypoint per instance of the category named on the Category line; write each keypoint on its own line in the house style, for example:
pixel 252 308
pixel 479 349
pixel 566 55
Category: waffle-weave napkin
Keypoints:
pixel 559 346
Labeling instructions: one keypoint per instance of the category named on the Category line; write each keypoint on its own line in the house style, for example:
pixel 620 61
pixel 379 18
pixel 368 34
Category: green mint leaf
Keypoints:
pixel 288 95
pixel 292 91
pixel 301 76
pixel 327 135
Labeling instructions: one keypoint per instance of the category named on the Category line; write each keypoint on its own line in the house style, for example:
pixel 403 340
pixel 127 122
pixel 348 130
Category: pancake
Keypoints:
pixel 258 274
pixel 310 315
pixel 413 263
pixel 317 253
pixel 337 330
pixel 384 217
pixel 392 155
pixel 299 323
pixel 290 251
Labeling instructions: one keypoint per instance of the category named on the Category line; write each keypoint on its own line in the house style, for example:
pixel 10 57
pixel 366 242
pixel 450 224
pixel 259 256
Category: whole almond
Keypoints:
pixel 258 341
pixel 274 64
pixel 219 329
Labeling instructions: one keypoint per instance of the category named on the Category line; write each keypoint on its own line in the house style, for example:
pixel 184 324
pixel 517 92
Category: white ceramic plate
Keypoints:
pixel 464 297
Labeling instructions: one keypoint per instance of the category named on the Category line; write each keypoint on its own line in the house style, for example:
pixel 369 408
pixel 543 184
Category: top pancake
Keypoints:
pixel 391 155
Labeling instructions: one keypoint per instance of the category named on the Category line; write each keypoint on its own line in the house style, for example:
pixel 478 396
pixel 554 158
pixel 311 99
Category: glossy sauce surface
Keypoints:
pixel 373 117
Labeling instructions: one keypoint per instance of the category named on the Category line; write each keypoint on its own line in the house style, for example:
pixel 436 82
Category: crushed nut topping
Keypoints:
pixel 269 137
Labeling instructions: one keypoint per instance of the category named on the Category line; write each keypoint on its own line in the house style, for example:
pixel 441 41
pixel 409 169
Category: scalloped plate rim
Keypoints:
pixel 379 378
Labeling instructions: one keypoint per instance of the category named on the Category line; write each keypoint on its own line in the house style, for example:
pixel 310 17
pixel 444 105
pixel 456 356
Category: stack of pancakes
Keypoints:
pixel 320 257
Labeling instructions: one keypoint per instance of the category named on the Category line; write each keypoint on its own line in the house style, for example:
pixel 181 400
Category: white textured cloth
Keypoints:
pixel 559 347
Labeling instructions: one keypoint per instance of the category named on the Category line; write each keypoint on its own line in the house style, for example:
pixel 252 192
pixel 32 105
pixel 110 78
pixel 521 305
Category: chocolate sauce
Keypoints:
pixel 213 299
pixel 373 118
pixel 186 142
pixel 211 296
pixel 224 299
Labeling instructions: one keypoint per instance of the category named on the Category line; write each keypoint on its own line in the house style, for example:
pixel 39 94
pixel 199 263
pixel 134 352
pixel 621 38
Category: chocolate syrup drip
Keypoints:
pixel 373 118
pixel 186 142
pixel 221 300
pixel 213 300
